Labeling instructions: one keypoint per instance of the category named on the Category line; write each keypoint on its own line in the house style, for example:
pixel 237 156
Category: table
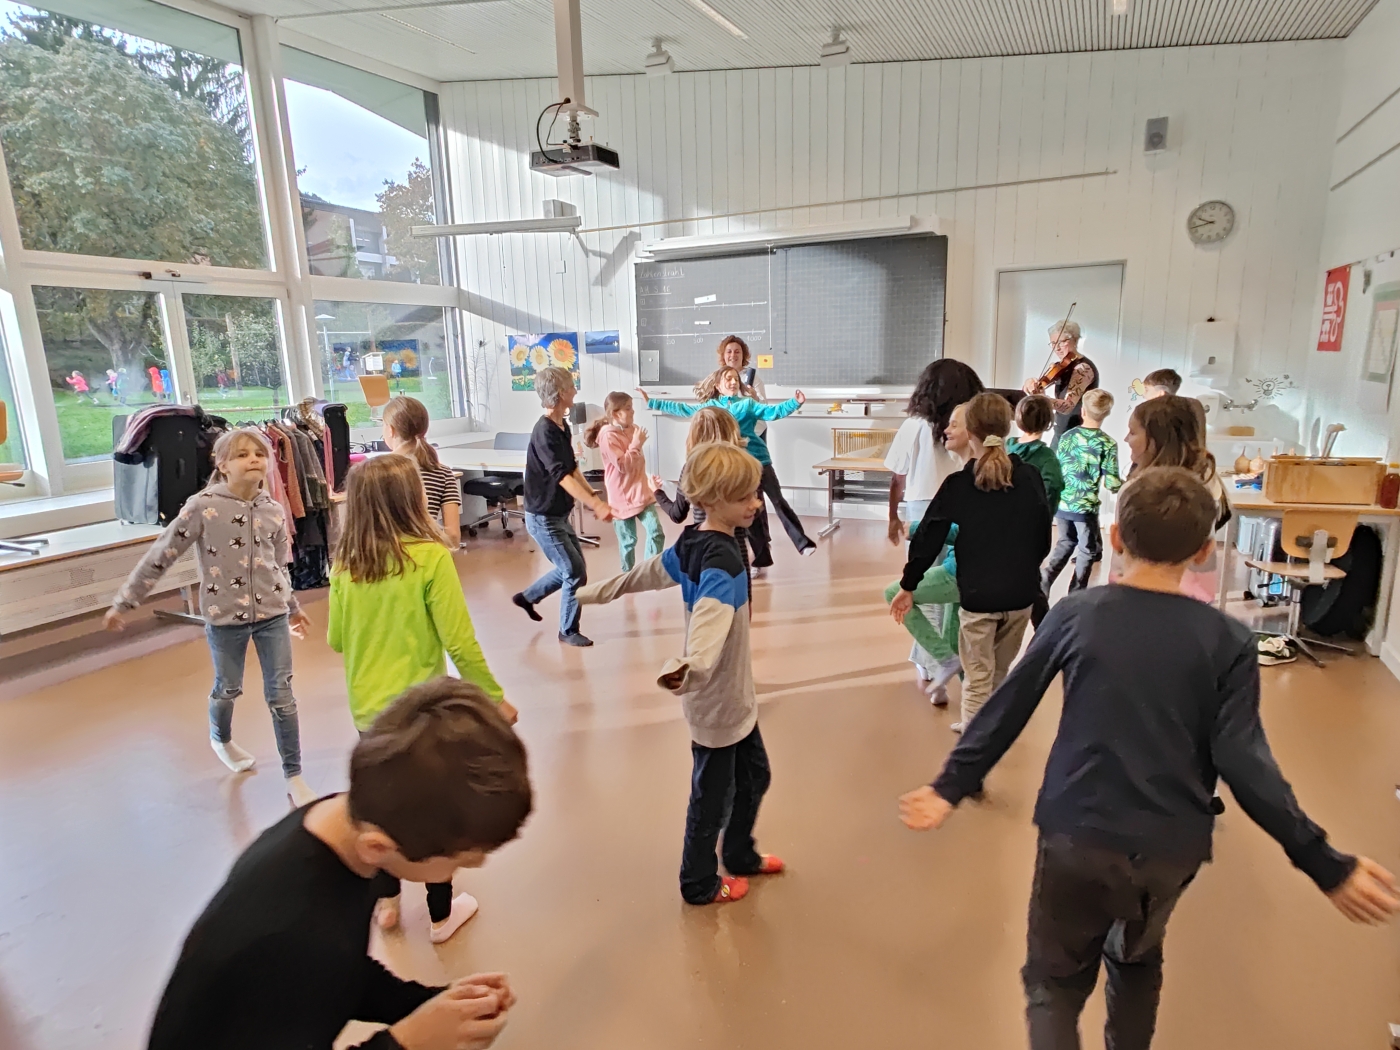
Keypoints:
pixel 1254 504
pixel 838 486
pixel 80 570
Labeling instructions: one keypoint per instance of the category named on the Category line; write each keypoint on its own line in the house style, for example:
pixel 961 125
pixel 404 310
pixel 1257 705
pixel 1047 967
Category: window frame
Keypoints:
pixel 286 279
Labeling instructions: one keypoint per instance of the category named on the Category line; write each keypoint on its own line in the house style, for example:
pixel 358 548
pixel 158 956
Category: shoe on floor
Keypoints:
pixel 771 865
pixel 527 605
pixel 464 906
pixel 1275 649
pixel 956 727
pixel 807 552
pixel 758 572
pixel 576 639
pixel 730 889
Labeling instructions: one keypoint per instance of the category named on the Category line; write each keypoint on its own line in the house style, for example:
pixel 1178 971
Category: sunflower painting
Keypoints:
pixel 531 353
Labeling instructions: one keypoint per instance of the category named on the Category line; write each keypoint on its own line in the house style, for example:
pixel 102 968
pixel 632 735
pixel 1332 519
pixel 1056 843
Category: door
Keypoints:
pixel 1030 301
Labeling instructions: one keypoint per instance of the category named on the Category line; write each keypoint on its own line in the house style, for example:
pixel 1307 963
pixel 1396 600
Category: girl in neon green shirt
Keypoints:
pixel 396 613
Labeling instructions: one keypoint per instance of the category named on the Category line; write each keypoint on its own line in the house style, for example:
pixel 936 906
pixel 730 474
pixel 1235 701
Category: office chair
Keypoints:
pixel 1316 537
pixel 12 474
pixel 376 391
pixel 498 489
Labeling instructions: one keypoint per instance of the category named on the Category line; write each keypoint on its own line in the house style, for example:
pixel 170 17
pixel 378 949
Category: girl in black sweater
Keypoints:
pixel 998 504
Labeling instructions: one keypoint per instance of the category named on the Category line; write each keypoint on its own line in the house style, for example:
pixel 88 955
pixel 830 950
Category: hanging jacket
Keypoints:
pixel 242 549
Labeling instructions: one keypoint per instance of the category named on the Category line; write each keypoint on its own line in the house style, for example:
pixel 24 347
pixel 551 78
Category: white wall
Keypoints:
pixel 1251 124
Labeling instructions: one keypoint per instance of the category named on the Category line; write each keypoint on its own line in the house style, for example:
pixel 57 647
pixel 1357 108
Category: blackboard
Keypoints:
pixel 848 313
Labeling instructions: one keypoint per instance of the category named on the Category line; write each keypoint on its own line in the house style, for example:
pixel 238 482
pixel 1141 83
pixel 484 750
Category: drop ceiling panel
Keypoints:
pixel 508 39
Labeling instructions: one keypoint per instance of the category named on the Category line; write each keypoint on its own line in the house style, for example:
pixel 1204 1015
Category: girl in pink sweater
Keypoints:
pixel 620 441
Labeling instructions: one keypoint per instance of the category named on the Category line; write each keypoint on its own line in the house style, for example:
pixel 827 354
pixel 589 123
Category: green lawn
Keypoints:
pixel 86 428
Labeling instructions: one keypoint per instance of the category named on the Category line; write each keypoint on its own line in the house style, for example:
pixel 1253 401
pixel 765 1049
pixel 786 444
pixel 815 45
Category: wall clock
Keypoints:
pixel 1210 222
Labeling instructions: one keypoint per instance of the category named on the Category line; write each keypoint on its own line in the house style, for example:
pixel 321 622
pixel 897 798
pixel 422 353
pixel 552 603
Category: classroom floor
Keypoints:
pixel 118 823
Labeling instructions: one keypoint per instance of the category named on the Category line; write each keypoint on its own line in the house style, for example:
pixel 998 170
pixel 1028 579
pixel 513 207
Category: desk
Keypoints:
pixel 1254 504
pixel 483 459
pixel 79 571
pixel 839 487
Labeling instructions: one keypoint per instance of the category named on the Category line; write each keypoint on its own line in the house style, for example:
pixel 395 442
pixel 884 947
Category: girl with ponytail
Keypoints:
pixel 616 435
pixel 998 504
pixel 406 432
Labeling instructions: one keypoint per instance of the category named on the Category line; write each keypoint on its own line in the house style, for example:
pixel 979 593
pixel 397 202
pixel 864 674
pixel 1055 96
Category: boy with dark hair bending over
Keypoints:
pixel 1161 696
pixel 714 678
pixel 279 959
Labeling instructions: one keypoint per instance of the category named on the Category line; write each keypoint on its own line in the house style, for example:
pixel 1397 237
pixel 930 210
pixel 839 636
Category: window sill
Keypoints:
pixel 50 513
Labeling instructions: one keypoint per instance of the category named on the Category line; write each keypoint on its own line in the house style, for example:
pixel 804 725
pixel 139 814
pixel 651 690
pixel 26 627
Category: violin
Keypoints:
pixel 1056 369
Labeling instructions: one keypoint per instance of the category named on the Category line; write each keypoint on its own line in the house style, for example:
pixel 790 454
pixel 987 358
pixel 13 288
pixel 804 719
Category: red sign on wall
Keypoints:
pixel 1334 309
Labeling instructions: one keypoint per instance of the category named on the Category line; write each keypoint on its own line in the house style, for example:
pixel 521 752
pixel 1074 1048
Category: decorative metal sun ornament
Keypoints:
pixel 1270 387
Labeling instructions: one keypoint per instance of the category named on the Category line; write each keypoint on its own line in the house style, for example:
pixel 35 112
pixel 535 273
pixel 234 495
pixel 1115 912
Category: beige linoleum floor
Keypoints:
pixel 117 823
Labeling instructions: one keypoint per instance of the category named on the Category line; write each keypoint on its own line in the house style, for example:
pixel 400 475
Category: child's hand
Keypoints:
pixel 923 809
pixel 602 511
pixel 508 712
pixel 674 679
pixel 1369 895
pixel 467 1016
pixel 298 623
pixel 497 982
pixel 896 531
pixel 800 397
pixel 903 602
pixel 113 620
pixel 655 482
pixel 639 438
pixel 645 399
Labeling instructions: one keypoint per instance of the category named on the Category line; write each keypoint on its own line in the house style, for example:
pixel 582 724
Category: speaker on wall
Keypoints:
pixel 1155 140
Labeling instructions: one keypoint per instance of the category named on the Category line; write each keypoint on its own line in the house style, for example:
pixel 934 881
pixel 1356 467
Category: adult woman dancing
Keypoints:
pixel 726 390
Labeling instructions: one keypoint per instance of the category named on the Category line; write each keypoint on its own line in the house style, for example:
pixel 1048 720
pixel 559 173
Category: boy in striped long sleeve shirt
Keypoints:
pixel 714 679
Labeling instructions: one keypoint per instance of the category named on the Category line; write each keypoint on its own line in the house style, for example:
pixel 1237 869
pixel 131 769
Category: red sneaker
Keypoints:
pixel 771 865
pixel 731 890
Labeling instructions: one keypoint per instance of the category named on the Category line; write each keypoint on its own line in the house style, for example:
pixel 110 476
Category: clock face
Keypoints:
pixel 1210 223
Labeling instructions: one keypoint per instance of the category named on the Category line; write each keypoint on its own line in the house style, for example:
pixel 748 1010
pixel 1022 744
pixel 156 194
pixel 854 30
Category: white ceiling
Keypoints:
pixel 508 39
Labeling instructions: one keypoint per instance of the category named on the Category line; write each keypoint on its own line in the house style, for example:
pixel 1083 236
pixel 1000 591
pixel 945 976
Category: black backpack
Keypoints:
pixel 1347 606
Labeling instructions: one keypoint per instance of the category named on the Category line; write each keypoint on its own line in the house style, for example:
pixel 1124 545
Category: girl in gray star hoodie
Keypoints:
pixel 242 548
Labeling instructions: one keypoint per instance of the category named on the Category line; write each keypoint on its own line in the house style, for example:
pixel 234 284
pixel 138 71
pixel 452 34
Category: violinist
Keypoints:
pixel 1070 376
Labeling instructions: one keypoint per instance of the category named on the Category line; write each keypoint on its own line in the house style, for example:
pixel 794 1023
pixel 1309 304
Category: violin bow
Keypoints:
pixel 1051 356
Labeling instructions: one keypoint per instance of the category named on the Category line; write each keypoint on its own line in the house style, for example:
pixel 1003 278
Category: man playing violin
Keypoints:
pixel 1070 376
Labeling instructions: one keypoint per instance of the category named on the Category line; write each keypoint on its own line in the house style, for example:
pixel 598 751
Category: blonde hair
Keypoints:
pixel 713 423
pixel 988 415
pixel 409 419
pixel 718 472
pixel 614 402
pixel 1098 403
pixel 227 446
pixel 385 509
pixel 708 388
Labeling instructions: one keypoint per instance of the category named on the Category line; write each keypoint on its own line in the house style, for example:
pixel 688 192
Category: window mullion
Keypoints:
pixel 177 342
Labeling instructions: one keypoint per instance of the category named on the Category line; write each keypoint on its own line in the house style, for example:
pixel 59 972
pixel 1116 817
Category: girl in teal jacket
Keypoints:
pixel 725 389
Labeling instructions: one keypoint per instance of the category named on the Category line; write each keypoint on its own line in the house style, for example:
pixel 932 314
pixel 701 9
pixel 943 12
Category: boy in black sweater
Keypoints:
pixel 279 959
pixel 1161 697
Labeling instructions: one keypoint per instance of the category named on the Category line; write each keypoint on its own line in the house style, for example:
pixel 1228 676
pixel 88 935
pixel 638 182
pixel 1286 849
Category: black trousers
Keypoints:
pixel 1083 541
pixel 1090 904
pixel 760 539
pixel 792 524
pixel 727 784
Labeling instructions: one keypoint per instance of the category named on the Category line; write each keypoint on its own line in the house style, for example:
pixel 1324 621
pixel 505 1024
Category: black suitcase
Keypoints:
pixel 173 463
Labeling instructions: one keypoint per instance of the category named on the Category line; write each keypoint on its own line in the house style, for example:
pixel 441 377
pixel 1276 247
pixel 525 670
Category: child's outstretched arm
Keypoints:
pixel 650 575
pixel 673 408
pixel 781 410
pixel 185 530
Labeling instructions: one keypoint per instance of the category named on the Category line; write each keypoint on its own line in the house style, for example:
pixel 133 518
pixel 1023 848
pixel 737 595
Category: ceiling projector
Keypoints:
pixel 580 159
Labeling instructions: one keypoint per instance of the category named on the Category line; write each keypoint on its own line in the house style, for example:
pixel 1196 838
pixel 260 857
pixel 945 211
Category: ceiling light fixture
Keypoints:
pixel 659 61
pixel 836 51
pixel 719 19
pixel 1120 8
pixel 561 224
pixel 434 36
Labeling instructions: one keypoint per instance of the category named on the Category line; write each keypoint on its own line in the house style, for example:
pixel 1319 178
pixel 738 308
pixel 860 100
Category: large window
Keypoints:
pixel 363 169
pixel 126 145
pixel 106 356
pixel 236 356
pixel 12 448
pixel 407 344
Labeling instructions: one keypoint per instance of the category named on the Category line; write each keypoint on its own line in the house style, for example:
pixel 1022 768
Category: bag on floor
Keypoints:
pixel 1346 607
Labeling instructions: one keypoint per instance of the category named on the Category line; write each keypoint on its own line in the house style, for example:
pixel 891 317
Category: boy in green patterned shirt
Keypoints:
pixel 1088 456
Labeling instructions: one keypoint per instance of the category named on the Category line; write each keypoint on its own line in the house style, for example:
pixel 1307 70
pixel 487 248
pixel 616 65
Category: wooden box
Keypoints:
pixel 1296 479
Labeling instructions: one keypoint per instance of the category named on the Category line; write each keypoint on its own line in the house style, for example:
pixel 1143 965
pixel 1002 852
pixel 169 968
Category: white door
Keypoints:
pixel 1030 301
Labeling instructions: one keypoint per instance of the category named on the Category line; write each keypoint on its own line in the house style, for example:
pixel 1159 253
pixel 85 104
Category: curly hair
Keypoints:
pixel 943 386
pixel 743 347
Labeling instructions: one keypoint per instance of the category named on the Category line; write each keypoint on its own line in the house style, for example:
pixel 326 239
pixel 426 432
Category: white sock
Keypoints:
pixel 299 791
pixel 233 756
pixel 464 906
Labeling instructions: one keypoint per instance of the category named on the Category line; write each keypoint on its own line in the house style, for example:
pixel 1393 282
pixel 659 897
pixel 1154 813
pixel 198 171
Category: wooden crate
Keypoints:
pixel 1297 479
pixel 848 441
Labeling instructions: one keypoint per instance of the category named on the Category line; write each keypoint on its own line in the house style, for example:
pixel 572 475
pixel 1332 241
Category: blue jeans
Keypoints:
pixel 627 528
pixel 559 543
pixel 228 645
pixel 726 786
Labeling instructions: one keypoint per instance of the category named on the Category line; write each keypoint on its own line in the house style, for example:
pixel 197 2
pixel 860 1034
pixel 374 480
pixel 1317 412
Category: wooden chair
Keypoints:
pixel 1315 537
pixel 376 391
